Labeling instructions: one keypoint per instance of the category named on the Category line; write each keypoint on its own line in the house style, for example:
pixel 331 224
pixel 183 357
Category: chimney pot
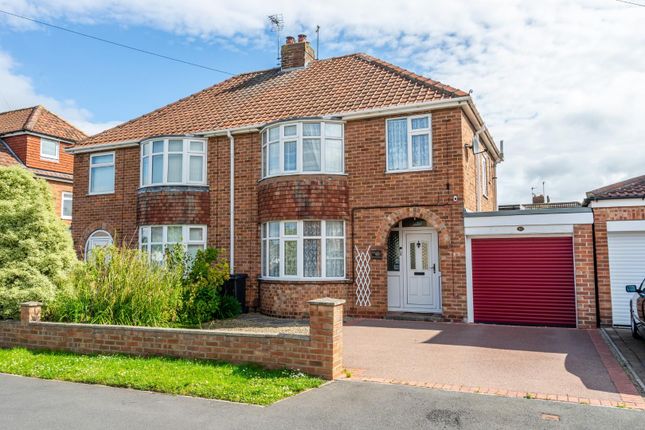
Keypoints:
pixel 290 40
pixel 302 38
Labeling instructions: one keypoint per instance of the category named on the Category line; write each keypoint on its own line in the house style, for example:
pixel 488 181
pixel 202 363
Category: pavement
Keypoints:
pixel 630 353
pixel 546 363
pixel 34 403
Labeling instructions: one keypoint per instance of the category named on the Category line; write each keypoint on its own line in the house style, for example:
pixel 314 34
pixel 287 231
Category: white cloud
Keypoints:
pixel 560 82
pixel 18 91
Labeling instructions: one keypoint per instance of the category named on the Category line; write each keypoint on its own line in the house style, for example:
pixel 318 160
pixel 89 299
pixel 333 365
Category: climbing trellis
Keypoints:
pixel 363 281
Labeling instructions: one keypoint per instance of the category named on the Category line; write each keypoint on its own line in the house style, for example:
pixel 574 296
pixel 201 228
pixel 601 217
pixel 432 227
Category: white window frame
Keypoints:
pixel 185 169
pixel 483 172
pixel 111 164
pixel 264 139
pixel 299 238
pixel 185 234
pixel 65 196
pixel 411 133
pixel 49 157
pixel 98 236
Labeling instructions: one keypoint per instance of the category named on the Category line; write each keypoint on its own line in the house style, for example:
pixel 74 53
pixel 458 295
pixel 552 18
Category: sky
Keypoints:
pixel 562 83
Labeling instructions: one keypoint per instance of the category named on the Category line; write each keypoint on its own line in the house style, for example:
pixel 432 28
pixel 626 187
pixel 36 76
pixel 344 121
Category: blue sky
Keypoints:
pixel 559 82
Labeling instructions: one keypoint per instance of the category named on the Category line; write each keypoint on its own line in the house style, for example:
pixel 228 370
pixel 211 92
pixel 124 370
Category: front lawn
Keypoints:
pixel 213 380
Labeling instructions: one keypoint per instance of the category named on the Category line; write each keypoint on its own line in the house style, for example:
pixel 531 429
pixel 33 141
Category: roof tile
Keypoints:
pixel 335 85
pixel 630 188
pixel 37 119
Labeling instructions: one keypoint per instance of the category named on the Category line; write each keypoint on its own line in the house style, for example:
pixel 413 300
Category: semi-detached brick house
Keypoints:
pixel 619 232
pixel 295 172
pixel 36 139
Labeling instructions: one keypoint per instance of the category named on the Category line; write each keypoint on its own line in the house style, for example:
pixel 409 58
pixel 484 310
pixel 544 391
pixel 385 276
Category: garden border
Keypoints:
pixel 318 354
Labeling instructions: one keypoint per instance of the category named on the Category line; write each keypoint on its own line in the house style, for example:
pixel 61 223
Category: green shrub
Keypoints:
pixel 121 286
pixel 229 307
pixel 202 283
pixel 36 250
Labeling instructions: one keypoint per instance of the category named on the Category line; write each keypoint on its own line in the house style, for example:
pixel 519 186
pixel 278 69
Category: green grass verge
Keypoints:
pixel 213 380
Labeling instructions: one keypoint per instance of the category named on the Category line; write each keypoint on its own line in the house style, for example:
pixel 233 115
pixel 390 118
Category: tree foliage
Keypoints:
pixel 36 250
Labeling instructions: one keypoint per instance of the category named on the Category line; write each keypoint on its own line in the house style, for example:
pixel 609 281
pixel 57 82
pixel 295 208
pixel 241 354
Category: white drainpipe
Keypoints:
pixel 478 178
pixel 231 262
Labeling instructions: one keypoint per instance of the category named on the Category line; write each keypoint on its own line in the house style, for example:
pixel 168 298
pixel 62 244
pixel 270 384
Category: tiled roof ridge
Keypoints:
pixel 33 118
pixel 616 186
pixel 60 118
pixel 446 89
pixel 18 110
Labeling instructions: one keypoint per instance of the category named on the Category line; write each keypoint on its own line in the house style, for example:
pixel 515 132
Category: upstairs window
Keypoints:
pixel 409 143
pixel 102 173
pixel 302 147
pixel 49 150
pixel 173 161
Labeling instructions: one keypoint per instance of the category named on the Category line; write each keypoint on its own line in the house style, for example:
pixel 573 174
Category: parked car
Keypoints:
pixel 637 309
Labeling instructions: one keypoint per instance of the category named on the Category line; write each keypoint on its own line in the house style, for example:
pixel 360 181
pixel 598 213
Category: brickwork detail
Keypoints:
pixel 319 354
pixel 289 299
pixel 601 216
pixel 584 274
pixel 173 207
pixel 27 147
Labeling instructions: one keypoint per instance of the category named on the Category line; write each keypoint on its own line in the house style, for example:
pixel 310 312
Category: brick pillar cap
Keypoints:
pixel 327 301
pixel 30 304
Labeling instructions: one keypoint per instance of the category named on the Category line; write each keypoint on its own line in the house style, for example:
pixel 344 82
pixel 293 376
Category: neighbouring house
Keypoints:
pixel 619 232
pixel 36 139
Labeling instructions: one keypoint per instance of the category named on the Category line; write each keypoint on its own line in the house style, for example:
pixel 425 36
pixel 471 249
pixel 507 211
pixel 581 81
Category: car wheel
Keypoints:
pixel 635 333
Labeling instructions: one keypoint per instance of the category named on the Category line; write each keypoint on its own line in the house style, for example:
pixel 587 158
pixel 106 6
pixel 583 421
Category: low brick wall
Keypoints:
pixel 318 354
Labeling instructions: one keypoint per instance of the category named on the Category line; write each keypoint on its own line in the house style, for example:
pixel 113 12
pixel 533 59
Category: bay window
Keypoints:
pixel 156 239
pixel 302 147
pixel 303 249
pixel 173 161
pixel 409 143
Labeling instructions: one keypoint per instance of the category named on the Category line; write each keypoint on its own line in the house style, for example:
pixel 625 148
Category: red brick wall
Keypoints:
pixel 173 207
pixel 368 199
pixel 27 147
pixel 303 197
pixel 601 216
pixel 584 273
pixel 289 299
pixel 319 354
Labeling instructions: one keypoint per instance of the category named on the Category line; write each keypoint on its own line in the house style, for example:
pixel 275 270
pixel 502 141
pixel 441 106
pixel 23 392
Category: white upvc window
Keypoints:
pixel 483 170
pixel 409 143
pixel 156 239
pixel 49 149
pixel 99 238
pixel 173 161
pixel 306 250
pixel 66 205
pixel 102 173
pixel 303 147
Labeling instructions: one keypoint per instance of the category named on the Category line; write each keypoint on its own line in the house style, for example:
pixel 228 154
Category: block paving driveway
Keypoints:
pixel 545 363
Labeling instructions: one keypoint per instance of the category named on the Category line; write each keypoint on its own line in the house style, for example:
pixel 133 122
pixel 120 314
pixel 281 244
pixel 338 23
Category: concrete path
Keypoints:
pixel 554 363
pixel 33 403
pixel 631 351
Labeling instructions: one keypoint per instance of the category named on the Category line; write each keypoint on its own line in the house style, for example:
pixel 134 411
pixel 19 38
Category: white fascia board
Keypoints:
pixel 530 220
pixel 529 230
pixel 41 135
pixel 101 147
pixel 394 110
pixel 616 203
pixel 636 225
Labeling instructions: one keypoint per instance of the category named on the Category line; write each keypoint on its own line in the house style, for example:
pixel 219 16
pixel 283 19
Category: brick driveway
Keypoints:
pixel 550 363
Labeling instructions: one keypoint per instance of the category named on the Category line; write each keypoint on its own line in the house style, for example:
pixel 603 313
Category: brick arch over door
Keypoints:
pixel 425 214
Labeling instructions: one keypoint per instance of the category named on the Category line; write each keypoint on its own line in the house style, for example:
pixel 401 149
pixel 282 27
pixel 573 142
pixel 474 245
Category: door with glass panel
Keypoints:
pixel 421 286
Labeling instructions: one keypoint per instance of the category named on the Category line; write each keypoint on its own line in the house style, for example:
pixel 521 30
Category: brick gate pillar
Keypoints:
pixel 326 334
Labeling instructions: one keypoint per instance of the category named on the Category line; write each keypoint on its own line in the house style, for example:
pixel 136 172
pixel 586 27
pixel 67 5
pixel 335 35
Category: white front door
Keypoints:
pixel 421 290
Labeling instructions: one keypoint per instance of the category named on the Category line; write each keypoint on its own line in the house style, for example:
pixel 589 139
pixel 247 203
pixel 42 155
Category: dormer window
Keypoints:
pixel 173 161
pixel 49 149
pixel 303 147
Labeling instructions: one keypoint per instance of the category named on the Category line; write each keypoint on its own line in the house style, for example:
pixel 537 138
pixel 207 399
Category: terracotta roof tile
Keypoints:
pixel 37 119
pixel 336 85
pixel 630 188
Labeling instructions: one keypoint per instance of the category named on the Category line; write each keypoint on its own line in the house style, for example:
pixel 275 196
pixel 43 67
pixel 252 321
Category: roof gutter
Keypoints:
pixel 101 147
pixel 33 133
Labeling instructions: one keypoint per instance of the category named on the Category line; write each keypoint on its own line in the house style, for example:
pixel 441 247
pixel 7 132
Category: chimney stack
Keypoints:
pixel 296 54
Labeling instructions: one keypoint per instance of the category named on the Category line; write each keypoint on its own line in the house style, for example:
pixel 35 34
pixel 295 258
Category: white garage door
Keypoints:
pixel 626 266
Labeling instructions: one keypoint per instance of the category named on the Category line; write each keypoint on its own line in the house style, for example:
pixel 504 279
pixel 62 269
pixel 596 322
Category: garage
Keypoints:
pixel 531 267
pixel 524 281
pixel 626 249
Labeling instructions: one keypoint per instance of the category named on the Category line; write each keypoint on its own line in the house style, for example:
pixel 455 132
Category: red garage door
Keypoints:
pixel 524 281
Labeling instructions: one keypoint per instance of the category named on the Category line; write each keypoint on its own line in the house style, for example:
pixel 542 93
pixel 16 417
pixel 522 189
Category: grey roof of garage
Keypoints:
pixel 527 212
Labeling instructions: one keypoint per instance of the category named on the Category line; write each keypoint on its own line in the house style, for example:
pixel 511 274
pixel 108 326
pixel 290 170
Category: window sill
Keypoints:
pixel 172 188
pixel 282 175
pixel 100 194
pixel 66 218
pixel 304 280
pixel 425 169
pixel 50 159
